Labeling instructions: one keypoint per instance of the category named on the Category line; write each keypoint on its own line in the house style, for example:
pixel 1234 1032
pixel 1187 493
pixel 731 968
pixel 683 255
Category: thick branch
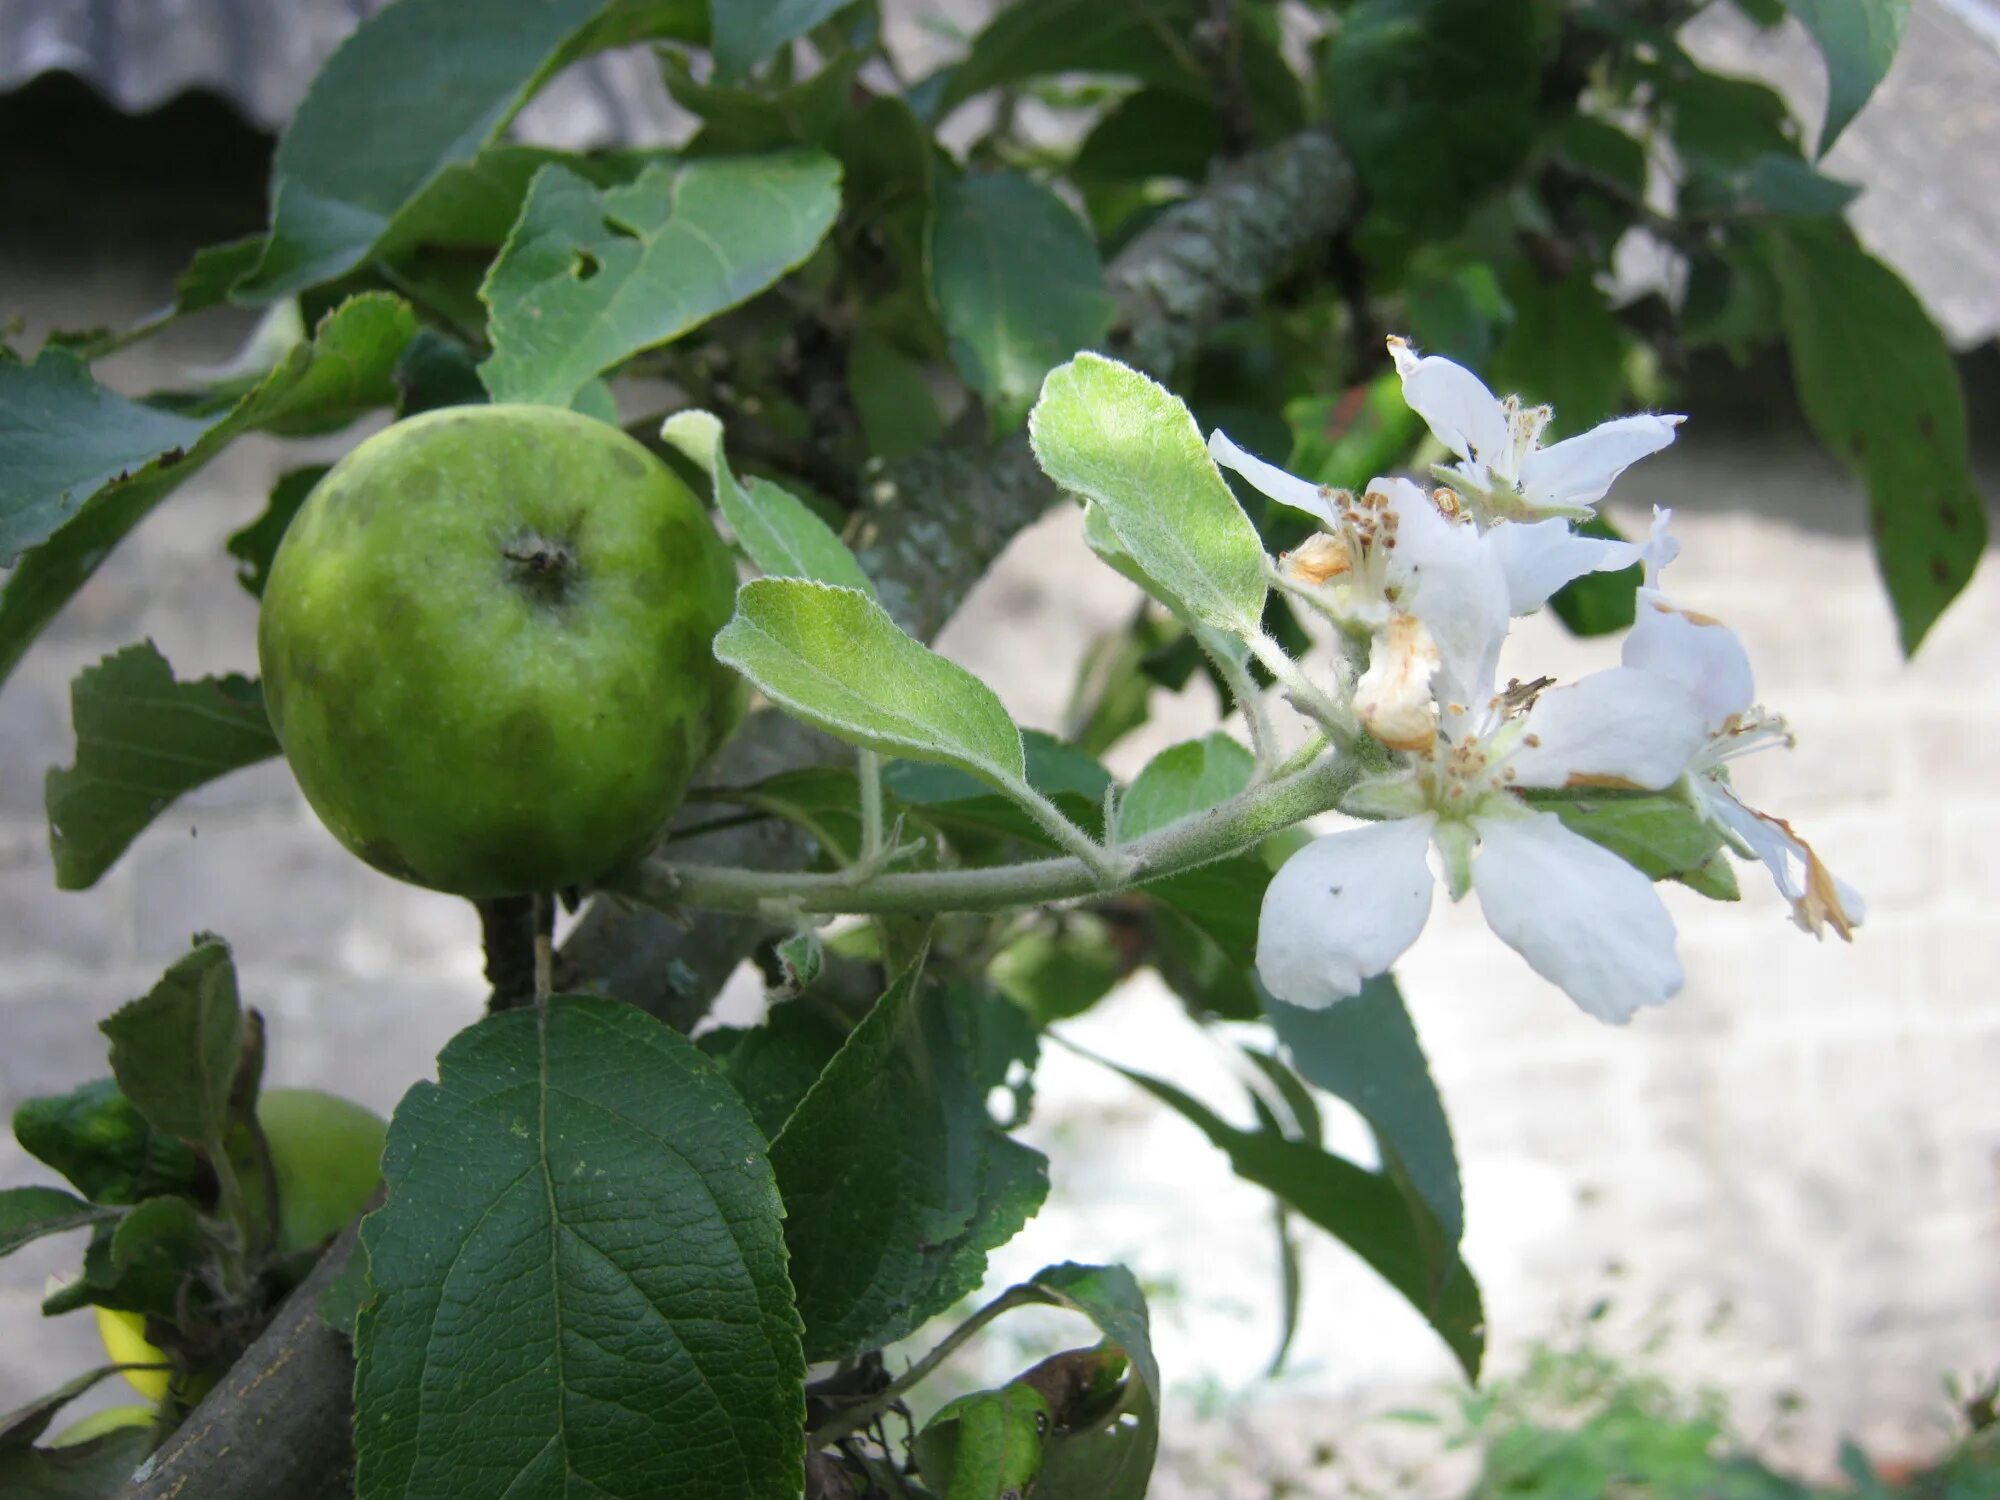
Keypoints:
pixel 278 1425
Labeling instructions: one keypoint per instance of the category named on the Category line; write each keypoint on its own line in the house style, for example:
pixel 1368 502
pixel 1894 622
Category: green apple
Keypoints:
pixel 124 1337
pixel 486 647
pixel 326 1153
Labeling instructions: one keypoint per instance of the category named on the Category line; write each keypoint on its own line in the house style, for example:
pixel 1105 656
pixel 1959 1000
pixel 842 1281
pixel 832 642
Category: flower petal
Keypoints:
pixel 1695 650
pixel 1446 575
pixel 1577 471
pixel 1286 489
pixel 1456 405
pixel 1583 918
pixel 1660 547
pixel 1620 727
pixel 1820 899
pixel 1343 909
pixel 1540 557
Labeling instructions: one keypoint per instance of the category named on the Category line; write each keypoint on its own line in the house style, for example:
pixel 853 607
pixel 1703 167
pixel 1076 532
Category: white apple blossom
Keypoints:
pixel 1706 657
pixel 1348 905
pixel 1503 472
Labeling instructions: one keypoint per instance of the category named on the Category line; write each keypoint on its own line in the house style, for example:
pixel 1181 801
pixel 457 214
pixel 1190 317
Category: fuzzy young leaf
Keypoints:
pixel 582 1211
pixel 896 1181
pixel 590 276
pixel 1110 435
pixel 1858 39
pixel 345 370
pixel 834 658
pixel 176 1050
pixel 775 529
pixel 1365 1051
pixel 28 1213
pixel 97 1138
pixel 383 119
pixel 143 739
pixel 1018 286
pixel 1878 384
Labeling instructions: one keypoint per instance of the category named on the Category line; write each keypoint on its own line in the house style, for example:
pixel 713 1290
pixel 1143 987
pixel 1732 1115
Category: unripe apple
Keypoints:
pixel 486 647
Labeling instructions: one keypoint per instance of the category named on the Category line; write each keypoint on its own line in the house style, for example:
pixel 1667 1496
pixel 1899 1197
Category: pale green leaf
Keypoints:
pixel 1018 286
pixel 383 118
pixel 1183 779
pixel 1659 834
pixel 987 1445
pixel 1879 386
pixel 1858 39
pixel 143 739
pixel 581 1215
pixel 776 530
pixel 590 276
pixel 833 657
pixel 1110 435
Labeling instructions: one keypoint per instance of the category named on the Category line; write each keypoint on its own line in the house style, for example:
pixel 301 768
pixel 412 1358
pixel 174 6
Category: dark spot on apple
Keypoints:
pixel 1927 426
pixel 1940 570
pixel 649 587
pixel 629 463
pixel 1948 514
pixel 526 739
pixel 1859 443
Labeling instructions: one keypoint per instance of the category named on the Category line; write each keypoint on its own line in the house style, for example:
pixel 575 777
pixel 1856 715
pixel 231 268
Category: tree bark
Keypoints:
pixel 279 1425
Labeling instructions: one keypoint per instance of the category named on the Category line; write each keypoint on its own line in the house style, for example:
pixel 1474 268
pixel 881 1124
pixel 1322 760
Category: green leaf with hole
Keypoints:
pixel 383 120
pixel 1110 435
pixel 142 740
pixel 345 370
pixel 1878 384
pixel 1017 283
pixel 176 1050
pixel 1106 1454
pixel 581 1210
pixel 1858 40
pixel 590 276
pixel 833 657
pixel 896 1180
pixel 987 1445
pixel 776 530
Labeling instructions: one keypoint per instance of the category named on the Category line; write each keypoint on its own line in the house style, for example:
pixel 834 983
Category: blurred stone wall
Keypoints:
pixel 1793 1169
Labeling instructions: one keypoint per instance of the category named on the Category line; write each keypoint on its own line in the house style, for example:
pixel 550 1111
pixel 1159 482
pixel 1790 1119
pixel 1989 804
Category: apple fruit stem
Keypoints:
pixel 1198 839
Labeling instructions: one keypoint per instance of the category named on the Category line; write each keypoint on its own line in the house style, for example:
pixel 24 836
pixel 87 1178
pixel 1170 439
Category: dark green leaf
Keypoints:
pixel 214 272
pixel 97 1138
pixel 1858 39
pixel 143 739
pixel 1113 692
pixel 892 397
pixel 175 1051
pixel 1059 970
pixel 344 371
pixel 436 371
pixel 254 545
pixel 1566 350
pixel 746 32
pixel 896 1181
pixel 28 1213
pixel 1182 780
pixel 1365 1050
pixel 159 1231
pixel 1365 1210
pixel 383 119
pixel 760 116
pixel 599 1183
pixel 964 809
pixel 1435 101
pixel 823 800
pixel 1018 286
pixel 1209 979
pixel 773 1065
pixel 1347 440
pixel 350 1290
pixel 590 276
pixel 1877 382
pixel 94 1470
pixel 26 1423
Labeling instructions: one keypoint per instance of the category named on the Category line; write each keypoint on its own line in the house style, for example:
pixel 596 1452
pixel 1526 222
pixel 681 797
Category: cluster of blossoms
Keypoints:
pixel 1431 582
